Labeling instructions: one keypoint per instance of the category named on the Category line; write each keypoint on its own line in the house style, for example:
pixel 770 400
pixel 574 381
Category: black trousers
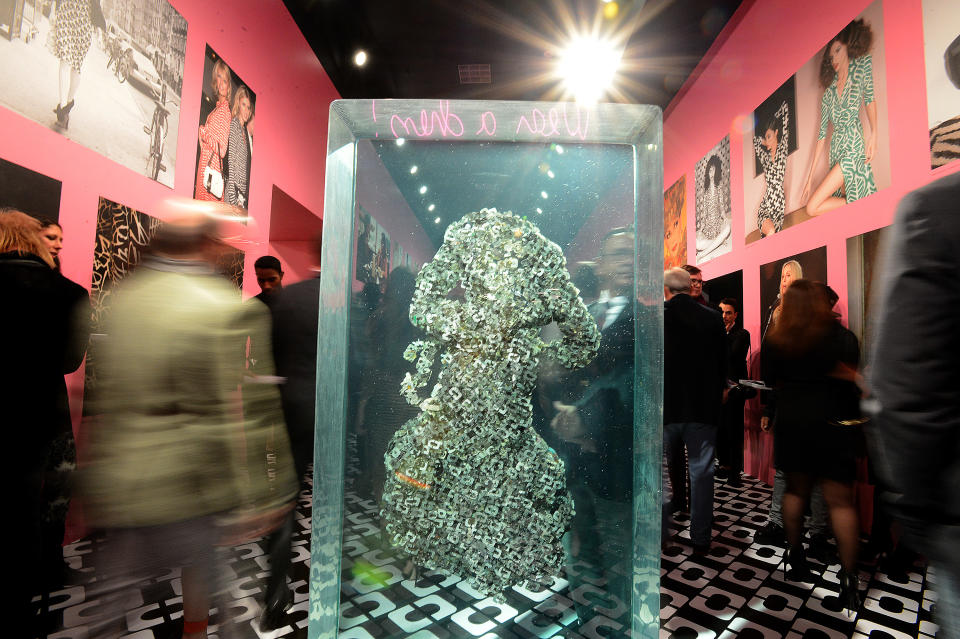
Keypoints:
pixel 730 436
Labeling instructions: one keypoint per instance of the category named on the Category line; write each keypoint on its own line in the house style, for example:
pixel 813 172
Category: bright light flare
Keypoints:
pixel 360 58
pixel 587 67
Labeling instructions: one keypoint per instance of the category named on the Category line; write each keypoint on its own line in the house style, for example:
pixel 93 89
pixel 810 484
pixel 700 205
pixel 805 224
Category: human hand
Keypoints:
pixel 765 423
pixel 871 147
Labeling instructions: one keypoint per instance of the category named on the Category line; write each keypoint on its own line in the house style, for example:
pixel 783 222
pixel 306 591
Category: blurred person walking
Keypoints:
pixel 809 359
pixel 915 381
pixel 36 331
pixel 172 460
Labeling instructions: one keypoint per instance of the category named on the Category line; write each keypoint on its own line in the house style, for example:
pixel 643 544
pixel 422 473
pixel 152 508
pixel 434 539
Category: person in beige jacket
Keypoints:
pixel 177 467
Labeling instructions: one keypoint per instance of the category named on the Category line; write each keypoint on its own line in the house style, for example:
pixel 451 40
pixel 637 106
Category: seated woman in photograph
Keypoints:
pixel 713 227
pixel 846 75
pixel 772 150
pixel 215 132
pixel 238 151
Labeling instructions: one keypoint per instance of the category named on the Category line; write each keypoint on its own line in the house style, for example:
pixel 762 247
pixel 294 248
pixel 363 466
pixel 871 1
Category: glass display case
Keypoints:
pixel 488 437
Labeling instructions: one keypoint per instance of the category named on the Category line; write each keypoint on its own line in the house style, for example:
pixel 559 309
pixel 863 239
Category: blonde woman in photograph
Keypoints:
pixel 214 134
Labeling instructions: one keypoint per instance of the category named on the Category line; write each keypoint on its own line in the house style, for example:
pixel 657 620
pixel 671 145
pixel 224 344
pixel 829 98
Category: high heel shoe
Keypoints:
pixel 795 567
pixel 849 596
pixel 63 114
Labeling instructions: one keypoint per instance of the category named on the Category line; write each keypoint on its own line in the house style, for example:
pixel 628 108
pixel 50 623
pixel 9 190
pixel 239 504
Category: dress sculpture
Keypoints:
pixel 471 488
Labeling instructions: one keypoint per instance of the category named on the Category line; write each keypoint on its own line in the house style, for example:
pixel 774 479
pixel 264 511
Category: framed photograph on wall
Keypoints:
pixel 776 276
pixel 941 53
pixel 105 74
pixel 842 133
pixel 712 187
pixel 225 140
pixel 675 224
pixel 864 265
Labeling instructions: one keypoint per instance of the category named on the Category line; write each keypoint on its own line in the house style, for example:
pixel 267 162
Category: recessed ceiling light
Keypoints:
pixel 423 189
pixel 588 66
pixel 558 149
pixel 544 195
pixel 431 207
pixel 413 170
pixel 400 141
pixel 539 210
pixel 436 220
pixel 551 174
pixel 360 58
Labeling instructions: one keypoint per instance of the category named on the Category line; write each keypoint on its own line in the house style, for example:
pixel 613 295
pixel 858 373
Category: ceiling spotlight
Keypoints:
pixel 423 189
pixel 558 149
pixel 413 170
pixel 544 195
pixel 436 220
pixel 539 210
pixel 551 174
pixel 587 67
pixel 431 207
pixel 360 58
pixel 401 141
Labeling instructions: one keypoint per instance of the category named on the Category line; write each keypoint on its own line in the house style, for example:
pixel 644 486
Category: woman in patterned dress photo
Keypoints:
pixel 713 225
pixel 846 75
pixel 238 151
pixel 71 36
pixel 772 150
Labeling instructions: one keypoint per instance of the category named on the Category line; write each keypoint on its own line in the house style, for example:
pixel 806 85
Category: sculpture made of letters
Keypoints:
pixel 471 488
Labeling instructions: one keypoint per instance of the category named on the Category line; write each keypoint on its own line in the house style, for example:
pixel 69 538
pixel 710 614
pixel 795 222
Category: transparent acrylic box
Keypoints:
pixel 459 519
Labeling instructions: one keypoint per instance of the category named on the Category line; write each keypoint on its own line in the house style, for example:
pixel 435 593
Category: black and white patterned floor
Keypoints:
pixel 735 591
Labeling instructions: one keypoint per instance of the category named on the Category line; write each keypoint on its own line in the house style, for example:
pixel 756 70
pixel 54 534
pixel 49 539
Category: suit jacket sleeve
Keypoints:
pixel 916 375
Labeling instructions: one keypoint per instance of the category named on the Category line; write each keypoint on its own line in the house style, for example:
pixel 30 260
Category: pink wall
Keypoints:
pixel 261 42
pixel 763 45
pixel 752 59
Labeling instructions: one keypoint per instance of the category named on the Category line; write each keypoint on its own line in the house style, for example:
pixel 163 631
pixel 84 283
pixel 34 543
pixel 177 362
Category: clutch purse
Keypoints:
pixel 213 180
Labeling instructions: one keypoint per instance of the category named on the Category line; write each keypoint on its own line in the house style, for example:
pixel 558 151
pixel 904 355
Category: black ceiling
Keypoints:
pixel 415 46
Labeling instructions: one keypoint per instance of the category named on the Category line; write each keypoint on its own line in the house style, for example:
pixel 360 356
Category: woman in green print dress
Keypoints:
pixel 846 73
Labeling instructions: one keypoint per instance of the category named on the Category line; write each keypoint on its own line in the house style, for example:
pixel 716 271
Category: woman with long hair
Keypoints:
pixel 238 151
pixel 809 359
pixel 214 134
pixel 772 150
pixel 34 333
pixel 846 75
pixel 713 226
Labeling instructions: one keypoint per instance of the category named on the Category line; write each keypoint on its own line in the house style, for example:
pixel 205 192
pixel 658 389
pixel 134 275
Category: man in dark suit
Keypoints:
pixel 730 435
pixel 915 382
pixel 594 436
pixel 295 312
pixel 694 377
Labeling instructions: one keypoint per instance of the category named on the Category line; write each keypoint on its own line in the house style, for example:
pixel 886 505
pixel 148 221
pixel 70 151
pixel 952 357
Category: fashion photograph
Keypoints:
pixel 712 180
pixel 28 191
pixel 776 277
pixel 864 265
pixel 842 133
pixel 941 54
pixel 772 139
pixel 675 224
pixel 105 74
pixel 373 250
pixel 225 140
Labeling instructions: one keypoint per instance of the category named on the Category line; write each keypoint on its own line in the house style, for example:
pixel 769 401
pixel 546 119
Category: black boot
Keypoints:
pixel 795 565
pixel 849 591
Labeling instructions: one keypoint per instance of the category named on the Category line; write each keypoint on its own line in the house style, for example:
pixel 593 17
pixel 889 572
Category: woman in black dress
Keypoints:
pixel 810 360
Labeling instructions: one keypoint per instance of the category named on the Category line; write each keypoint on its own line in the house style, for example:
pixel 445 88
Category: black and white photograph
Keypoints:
pixel 941 52
pixel 28 191
pixel 106 74
pixel 225 140
pixel 712 184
